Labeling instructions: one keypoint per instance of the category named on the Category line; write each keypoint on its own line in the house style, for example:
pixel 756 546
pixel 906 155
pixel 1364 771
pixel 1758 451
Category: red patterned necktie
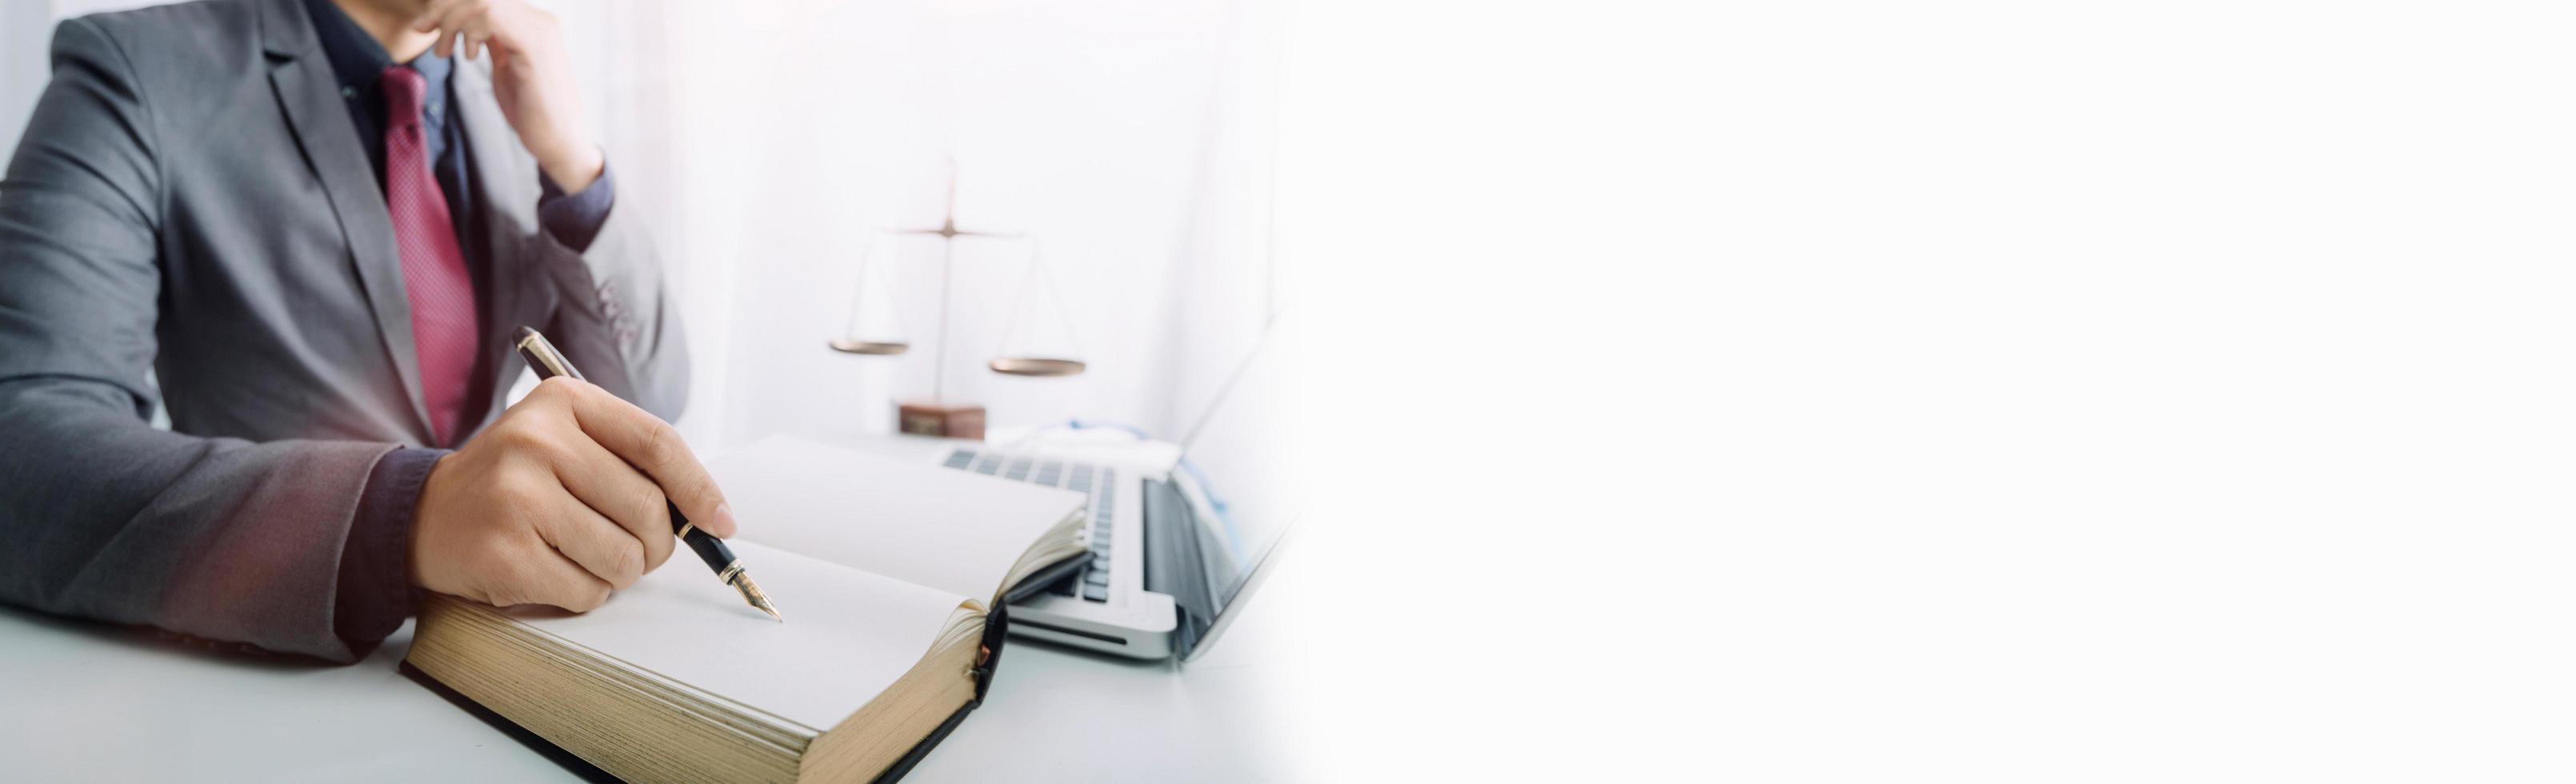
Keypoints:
pixel 443 329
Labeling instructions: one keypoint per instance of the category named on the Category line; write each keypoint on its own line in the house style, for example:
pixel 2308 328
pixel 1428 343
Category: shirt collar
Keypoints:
pixel 434 68
pixel 358 61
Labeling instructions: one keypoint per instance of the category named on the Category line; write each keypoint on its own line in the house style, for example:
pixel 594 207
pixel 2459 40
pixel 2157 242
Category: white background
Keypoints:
pixel 1848 391
pixel 1985 391
pixel 765 141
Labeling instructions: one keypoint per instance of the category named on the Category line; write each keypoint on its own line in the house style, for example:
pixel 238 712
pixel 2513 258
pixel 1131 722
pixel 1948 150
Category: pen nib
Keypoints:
pixel 751 593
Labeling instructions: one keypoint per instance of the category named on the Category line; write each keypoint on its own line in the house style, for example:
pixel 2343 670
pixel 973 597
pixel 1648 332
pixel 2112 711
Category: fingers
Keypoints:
pixel 533 573
pixel 443 17
pixel 463 26
pixel 626 498
pixel 603 548
pixel 654 447
pixel 477 30
pixel 469 35
pixel 450 34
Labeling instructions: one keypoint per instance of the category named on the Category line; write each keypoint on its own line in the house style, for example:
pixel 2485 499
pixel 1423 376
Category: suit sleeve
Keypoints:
pixel 614 318
pixel 106 517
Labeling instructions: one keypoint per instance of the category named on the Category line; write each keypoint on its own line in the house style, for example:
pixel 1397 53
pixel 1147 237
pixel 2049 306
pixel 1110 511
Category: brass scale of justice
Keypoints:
pixel 1005 361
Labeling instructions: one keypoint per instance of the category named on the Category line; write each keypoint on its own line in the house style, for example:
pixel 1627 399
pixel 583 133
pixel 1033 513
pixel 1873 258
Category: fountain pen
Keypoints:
pixel 548 363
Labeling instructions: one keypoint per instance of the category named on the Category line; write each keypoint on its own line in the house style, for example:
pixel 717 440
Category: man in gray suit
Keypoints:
pixel 318 221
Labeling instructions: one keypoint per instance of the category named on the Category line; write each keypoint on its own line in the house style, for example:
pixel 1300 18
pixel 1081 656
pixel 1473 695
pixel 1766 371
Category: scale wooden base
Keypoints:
pixel 947 420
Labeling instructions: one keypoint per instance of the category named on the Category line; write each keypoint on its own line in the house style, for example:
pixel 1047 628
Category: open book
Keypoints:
pixel 891 576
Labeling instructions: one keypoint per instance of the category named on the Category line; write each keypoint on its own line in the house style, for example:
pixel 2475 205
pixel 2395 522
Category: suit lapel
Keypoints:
pixel 310 94
pixel 504 194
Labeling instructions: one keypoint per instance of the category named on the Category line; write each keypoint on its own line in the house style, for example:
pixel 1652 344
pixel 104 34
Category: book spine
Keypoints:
pixel 996 623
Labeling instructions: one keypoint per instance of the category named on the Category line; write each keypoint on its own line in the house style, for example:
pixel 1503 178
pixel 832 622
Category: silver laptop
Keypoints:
pixel 1177 543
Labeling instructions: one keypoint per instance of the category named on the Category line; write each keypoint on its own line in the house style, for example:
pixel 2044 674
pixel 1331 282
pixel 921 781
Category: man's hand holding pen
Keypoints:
pixel 559 501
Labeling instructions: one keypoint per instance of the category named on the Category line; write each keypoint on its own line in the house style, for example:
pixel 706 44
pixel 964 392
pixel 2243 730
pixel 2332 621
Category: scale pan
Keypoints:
pixel 1036 366
pixel 857 346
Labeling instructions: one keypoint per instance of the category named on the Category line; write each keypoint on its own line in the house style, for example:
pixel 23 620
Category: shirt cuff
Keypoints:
pixel 574 219
pixel 375 565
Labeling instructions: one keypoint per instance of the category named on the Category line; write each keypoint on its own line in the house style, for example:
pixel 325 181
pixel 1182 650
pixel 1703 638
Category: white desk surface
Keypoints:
pixel 82 701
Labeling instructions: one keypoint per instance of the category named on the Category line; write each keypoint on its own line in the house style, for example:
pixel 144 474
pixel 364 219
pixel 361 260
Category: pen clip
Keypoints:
pixel 542 355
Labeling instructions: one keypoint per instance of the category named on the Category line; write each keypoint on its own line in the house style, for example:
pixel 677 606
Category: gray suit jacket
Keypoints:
pixel 190 198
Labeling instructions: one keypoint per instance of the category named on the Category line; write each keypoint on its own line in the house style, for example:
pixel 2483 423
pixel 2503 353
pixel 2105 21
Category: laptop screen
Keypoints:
pixel 1242 457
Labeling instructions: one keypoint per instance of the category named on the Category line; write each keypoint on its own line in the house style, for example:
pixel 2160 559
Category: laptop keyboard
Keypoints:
pixel 1091 581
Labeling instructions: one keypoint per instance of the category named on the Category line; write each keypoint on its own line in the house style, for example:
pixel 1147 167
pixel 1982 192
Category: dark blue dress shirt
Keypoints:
pixel 375 564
